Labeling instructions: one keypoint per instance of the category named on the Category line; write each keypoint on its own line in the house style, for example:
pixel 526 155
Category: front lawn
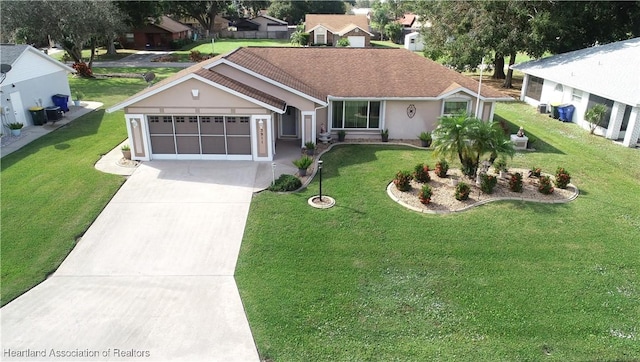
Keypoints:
pixel 51 191
pixel 370 280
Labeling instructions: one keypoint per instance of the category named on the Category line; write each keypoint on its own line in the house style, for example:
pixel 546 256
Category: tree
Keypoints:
pixel 203 11
pixel 393 31
pixel 293 12
pixel 470 138
pixel 300 37
pixel 594 116
pixel 73 24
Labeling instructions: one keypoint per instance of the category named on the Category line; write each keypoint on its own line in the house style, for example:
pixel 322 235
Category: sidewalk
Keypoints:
pixel 10 144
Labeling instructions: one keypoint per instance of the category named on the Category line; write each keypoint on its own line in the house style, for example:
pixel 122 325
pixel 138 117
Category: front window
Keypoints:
pixel 355 114
pixel 455 107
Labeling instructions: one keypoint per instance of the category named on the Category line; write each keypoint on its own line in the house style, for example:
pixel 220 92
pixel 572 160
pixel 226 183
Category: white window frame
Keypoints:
pixel 456 100
pixel 380 116
pixel 576 95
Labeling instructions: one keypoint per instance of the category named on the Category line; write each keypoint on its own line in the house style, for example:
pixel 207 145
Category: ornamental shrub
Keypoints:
pixel 515 182
pixel 425 194
pixel 403 181
pixel 487 183
pixel 442 167
pixel 421 173
pixel 535 172
pixel 83 69
pixel 286 183
pixel 545 186
pixel 562 178
pixel 462 191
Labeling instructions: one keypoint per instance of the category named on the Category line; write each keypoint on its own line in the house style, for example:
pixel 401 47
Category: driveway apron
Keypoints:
pixel 152 278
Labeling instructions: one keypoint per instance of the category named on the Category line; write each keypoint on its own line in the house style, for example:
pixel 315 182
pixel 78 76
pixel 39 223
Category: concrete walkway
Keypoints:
pixel 152 278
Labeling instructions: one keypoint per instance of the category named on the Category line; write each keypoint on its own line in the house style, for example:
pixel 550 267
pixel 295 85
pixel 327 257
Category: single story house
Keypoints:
pixel 269 23
pixel 329 28
pixel 33 79
pixel 238 106
pixel 157 35
pixel 413 41
pixel 605 74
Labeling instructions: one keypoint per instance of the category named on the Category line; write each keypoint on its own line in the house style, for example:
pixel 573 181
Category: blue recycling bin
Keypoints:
pixel 62 101
pixel 565 112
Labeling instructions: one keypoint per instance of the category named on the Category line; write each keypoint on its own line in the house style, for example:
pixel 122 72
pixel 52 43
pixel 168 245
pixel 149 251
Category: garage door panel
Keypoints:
pixel 213 145
pixel 188 144
pixel 212 125
pixel 356 41
pixel 163 144
pixel 186 124
pixel 239 145
pixel 161 125
pixel 238 126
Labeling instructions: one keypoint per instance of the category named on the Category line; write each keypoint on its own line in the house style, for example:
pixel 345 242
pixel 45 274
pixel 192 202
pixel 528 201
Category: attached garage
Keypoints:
pixel 356 41
pixel 209 136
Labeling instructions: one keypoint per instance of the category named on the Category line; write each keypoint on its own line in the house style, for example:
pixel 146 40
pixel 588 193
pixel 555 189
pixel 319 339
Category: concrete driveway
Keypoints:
pixel 152 278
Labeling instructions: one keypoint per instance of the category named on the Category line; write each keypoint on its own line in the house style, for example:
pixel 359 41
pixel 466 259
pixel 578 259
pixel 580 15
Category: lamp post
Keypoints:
pixel 273 173
pixel 320 169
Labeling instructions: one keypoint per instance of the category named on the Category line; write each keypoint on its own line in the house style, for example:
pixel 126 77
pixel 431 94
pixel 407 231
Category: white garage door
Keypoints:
pixel 356 41
pixel 200 137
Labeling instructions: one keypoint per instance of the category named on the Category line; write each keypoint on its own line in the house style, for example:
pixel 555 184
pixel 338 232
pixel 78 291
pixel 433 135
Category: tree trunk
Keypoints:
pixel 111 48
pixel 498 67
pixel 509 77
pixel 93 52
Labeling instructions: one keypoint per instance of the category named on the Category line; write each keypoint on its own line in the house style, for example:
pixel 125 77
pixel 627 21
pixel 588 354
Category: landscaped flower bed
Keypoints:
pixel 443 200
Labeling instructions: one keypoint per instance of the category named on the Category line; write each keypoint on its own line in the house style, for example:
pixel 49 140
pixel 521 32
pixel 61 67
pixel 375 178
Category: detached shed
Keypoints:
pixel 413 41
pixel 33 79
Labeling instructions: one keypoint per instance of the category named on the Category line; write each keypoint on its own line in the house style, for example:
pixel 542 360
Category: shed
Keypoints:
pixel 33 79
pixel 413 41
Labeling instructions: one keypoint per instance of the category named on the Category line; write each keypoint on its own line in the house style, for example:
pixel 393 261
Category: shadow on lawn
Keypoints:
pixel 60 140
pixel 535 142
pixel 349 154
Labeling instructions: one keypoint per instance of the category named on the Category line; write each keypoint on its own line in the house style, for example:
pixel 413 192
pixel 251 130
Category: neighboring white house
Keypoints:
pixel 269 23
pixel 34 77
pixel 413 41
pixel 605 74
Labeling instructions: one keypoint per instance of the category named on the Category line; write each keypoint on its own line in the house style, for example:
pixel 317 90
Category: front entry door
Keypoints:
pixel 289 123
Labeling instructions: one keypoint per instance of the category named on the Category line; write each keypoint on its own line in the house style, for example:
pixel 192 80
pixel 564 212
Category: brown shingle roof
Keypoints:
pixel 335 23
pixel 320 72
pixel 358 72
pixel 241 88
pixel 171 25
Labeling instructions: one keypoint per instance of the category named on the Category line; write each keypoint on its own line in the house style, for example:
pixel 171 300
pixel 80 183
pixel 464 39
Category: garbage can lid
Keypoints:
pixel 53 108
pixel 60 95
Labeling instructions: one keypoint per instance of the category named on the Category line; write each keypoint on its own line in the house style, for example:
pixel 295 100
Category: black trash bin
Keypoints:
pixel 554 111
pixel 62 101
pixel 38 116
pixel 54 113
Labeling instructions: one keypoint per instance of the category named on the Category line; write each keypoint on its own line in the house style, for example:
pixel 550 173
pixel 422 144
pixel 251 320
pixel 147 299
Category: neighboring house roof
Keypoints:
pixel 610 71
pixel 170 25
pixel 354 73
pixel 11 53
pixel 407 20
pixel 336 23
pixel 271 18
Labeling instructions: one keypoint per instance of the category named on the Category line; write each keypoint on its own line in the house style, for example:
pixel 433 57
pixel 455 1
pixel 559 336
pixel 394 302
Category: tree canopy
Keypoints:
pixel 463 32
pixel 293 11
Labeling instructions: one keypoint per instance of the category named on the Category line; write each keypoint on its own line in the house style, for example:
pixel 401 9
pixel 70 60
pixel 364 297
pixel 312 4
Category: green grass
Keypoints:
pixel 507 281
pixel 51 191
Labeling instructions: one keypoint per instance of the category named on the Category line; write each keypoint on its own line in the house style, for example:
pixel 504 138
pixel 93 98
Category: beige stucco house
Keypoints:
pixel 329 28
pixel 238 106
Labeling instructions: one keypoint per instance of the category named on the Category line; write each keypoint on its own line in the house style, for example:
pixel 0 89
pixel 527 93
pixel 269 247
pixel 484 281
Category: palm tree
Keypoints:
pixel 470 138
pixel 451 137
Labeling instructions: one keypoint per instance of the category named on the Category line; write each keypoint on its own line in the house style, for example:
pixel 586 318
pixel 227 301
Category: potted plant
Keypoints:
pixel 302 164
pixel 341 135
pixel 16 128
pixel 78 95
pixel 425 139
pixel 310 147
pixel 126 151
pixel 385 135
